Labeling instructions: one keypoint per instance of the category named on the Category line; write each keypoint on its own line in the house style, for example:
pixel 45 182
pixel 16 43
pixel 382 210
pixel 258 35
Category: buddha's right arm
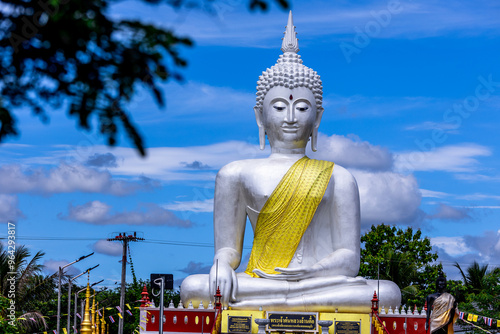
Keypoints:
pixel 229 228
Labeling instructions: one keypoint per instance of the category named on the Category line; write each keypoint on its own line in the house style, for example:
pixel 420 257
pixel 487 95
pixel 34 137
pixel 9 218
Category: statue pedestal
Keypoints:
pixel 201 321
pixel 243 321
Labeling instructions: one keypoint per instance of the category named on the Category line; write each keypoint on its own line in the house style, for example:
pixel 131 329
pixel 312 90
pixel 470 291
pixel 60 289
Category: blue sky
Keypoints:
pixel 411 97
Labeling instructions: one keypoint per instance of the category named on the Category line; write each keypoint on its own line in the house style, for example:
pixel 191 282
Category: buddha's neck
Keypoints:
pixel 288 152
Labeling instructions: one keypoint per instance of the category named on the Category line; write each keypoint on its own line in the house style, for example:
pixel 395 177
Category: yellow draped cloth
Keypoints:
pixel 287 213
pixel 441 313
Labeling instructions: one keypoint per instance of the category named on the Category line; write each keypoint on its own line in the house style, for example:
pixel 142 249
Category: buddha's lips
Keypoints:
pixel 290 128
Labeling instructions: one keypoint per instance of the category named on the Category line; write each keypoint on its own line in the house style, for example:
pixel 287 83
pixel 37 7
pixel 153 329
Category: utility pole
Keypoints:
pixel 124 238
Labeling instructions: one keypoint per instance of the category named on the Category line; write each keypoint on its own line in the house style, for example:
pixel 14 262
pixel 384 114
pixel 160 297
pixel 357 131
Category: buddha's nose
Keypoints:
pixel 290 115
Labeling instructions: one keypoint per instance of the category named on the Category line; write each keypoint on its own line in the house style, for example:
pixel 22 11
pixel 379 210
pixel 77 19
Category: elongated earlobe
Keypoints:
pixel 314 133
pixel 314 140
pixel 262 131
pixel 262 138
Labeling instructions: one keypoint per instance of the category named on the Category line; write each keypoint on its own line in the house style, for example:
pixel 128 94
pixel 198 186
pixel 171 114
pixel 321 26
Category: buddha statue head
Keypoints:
pixel 440 282
pixel 293 89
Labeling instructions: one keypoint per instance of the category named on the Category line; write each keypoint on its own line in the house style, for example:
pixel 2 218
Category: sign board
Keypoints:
pixel 168 279
pixel 293 321
pixel 239 324
pixel 347 327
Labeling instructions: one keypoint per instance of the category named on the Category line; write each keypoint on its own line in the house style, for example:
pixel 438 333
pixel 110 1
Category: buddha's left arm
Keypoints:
pixel 345 222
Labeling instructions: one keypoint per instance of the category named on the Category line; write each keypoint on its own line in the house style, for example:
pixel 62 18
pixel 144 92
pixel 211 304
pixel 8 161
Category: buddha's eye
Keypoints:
pixel 302 107
pixel 279 106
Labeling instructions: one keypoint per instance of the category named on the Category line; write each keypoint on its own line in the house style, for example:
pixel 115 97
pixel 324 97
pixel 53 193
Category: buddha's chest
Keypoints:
pixel 260 185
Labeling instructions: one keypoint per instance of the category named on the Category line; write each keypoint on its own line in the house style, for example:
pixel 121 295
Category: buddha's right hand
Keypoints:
pixel 223 277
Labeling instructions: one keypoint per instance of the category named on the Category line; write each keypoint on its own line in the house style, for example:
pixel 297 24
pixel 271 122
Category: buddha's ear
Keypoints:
pixel 314 134
pixel 262 131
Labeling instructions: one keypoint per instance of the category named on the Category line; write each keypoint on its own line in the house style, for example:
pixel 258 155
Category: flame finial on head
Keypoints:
pixel 290 41
pixel 289 71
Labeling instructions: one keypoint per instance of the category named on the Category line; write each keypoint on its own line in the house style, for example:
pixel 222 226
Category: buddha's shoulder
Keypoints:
pixel 343 178
pixel 339 171
pixel 240 168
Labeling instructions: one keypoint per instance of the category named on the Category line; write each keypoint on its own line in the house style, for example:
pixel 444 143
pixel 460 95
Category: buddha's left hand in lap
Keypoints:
pixel 291 274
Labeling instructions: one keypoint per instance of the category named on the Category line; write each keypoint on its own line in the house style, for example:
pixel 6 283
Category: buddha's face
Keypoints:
pixel 440 284
pixel 288 116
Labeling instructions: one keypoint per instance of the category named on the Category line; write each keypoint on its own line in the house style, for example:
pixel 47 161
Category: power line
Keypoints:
pixel 49 238
pixel 152 241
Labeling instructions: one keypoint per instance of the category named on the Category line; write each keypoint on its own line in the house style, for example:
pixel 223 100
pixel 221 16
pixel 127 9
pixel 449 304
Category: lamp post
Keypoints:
pixel 76 300
pixel 59 289
pixel 69 294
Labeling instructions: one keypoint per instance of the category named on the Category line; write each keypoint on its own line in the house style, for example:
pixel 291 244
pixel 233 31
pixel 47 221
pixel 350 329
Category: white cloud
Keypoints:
pixel 453 158
pixel 107 248
pixel 447 212
pixel 482 248
pixel 102 160
pixel 388 198
pixel 453 246
pixel 352 152
pixel 478 177
pixel 9 208
pixel 230 23
pixel 447 127
pixel 52 266
pixel 433 194
pixel 99 213
pixel 485 207
pixel 194 97
pixel 195 102
pixel 486 245
pixel 178 166
pixel 478 196
pixel 206 205
pixel 65 178
pixel 356 106
pixel 196 268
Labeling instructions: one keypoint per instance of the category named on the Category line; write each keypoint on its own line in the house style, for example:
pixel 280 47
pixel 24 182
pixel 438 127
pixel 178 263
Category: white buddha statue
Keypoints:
pixel 304 213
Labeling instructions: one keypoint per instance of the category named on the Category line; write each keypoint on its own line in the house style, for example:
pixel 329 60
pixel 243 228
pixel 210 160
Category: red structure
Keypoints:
pixel 180 320
pixel 403 323
pixel 374 303
pixel 145 302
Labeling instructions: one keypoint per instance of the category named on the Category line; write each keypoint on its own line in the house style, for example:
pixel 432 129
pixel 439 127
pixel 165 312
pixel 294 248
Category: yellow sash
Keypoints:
pixel 441 312
pixel 287 213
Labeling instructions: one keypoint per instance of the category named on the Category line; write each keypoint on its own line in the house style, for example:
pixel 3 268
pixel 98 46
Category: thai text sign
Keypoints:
pixel 293 321
pixel 347 327
pixel 239 324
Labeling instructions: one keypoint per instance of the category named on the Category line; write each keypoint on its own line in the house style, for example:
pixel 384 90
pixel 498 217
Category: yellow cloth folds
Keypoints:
pixel 441 313
pixel 287 213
